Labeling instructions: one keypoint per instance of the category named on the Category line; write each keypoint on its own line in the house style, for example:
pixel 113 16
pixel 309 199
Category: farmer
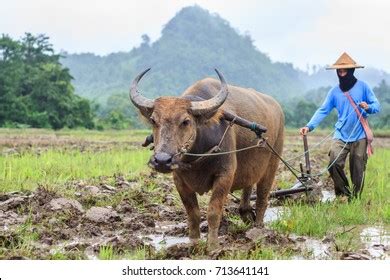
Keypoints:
pixel 353 100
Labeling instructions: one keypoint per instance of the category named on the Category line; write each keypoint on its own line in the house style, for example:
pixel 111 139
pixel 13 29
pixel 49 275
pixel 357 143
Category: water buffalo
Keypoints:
pixel 194 123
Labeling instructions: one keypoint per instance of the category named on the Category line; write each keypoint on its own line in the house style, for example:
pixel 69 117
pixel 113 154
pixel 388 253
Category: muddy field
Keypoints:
pixel 141 217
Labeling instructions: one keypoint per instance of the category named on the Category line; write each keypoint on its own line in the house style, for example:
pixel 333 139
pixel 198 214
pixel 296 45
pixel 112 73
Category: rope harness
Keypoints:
pixel 263 143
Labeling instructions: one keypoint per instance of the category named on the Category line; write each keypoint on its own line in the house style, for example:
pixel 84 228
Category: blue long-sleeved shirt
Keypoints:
pixel 348 127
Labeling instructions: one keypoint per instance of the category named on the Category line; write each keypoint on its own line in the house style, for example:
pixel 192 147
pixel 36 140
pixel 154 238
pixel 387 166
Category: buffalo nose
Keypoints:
pixel 163 158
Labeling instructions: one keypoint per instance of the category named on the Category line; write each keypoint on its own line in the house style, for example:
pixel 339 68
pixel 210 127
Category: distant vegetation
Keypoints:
pixel 192 44
pixel 35 89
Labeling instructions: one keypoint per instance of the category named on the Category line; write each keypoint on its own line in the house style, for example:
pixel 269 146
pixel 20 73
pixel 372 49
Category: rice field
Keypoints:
pixel 96 168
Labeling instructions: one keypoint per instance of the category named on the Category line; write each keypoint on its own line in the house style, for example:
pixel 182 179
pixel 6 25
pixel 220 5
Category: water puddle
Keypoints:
pixel 274 213
pixel 91 255
pixel 318 249
pixel 160 241
pixel 78 244
pixel 327 196
pixel 376 241
pixel 165 226
pixel 312 248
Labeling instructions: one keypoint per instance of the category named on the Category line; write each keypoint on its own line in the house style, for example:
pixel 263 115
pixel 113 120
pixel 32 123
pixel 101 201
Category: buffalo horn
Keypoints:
pixel 144 104
pixel 199 108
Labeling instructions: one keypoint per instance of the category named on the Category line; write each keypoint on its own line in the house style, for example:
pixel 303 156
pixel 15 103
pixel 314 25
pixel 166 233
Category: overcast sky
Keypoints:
pixel 300 31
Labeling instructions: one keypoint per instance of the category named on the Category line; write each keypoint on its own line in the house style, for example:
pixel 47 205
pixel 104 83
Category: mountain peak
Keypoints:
pixel 193 43
pixel 194 20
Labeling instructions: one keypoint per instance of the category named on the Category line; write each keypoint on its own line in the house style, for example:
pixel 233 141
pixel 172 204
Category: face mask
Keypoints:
pixel 348 81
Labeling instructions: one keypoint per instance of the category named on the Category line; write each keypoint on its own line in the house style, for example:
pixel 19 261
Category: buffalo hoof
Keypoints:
pixel 259 224
pixel 194 241
pixel 248 216
pixel 213 244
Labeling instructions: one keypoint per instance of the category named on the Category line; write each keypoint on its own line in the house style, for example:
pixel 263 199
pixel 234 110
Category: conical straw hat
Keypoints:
pixel 344 62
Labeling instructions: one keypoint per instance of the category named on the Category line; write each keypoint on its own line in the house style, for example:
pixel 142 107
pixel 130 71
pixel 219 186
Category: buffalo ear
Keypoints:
pixel 144 116
pixel 210 118
pixel 146 112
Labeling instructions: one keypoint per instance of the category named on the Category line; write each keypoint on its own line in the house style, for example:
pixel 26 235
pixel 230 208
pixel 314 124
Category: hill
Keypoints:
pixel 192 44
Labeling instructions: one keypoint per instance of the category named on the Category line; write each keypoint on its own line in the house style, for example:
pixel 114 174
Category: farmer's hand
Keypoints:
pixel 364 105
pixel 304 130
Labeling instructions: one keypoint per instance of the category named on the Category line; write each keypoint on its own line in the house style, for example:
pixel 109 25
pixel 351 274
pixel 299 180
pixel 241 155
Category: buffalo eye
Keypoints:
pixel 185 123
pixel 152 121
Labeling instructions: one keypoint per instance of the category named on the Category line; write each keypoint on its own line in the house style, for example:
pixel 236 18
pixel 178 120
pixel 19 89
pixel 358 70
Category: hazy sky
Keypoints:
pixel 300 31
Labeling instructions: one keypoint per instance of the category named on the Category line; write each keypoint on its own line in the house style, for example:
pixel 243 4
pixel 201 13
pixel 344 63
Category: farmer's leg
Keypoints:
pixel 337 156
pixel 357 165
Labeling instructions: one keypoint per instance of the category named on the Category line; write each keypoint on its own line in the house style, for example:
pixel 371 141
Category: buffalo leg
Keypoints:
pixel 188 197
pixel 221 188
pixel 245 209
pixel 263 190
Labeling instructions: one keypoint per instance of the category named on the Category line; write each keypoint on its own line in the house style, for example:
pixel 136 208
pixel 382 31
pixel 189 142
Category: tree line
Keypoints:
pixel 36 90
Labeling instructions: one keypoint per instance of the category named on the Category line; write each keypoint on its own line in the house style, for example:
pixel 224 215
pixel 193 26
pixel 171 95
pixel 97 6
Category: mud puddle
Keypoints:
pixel 160 241
pixel 327 196
pixel 274 213
pixel 163 237
pixel 312 248
pixel 165 226
pixel 376 241
pixel 166 234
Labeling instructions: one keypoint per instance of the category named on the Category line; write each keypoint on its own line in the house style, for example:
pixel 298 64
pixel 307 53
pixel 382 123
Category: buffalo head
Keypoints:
pixel 174 121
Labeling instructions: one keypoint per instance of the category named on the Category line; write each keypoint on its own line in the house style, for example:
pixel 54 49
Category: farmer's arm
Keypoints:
pixel 372 103
pixel 321 112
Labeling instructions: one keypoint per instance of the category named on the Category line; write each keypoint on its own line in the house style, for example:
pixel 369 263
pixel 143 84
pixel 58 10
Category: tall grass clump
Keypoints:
pixel 322 218
pixel 28 170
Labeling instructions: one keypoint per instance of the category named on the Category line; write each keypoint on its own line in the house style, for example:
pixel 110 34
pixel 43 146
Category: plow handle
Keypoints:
pixel 307 157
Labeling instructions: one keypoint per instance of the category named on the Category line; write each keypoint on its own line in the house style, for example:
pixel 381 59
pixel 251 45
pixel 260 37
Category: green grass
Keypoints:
pixel 71 155
pixel 321 219
pixel 20 242
pixel 79 134
pixel 261 252
pixel 29 170
pixel 341 221
pixel 59 166
pixel 236 225
pixel 108 253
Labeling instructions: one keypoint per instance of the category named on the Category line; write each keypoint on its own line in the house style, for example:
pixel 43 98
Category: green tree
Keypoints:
pixel 35 89
pixel 382 92
pixel 303 111
pixel 117 113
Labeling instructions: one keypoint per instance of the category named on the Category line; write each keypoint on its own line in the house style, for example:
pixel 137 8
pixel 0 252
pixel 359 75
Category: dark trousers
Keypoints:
pixel 357 165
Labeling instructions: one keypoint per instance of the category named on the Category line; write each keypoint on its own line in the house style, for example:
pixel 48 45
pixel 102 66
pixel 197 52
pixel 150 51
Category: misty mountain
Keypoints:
pixel 192 44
